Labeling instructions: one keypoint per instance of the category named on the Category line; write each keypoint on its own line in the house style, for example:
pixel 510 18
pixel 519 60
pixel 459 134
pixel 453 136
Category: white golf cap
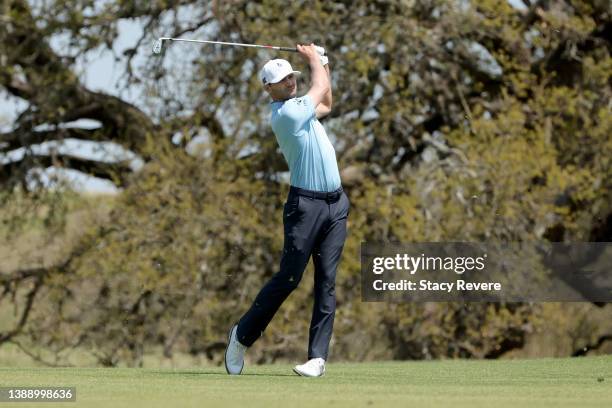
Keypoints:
pixel 275 70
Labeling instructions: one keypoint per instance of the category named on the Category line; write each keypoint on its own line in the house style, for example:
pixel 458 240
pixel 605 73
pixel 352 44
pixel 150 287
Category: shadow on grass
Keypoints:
pixel 196 373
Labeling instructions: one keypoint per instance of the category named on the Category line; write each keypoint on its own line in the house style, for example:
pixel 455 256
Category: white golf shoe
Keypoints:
pixel 234 353
pixel 315 367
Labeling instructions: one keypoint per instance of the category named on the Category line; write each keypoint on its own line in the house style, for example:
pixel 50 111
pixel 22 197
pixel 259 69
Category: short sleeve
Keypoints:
pixel 296 112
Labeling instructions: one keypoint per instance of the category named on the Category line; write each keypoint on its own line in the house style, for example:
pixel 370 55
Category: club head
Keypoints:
pixel 157 46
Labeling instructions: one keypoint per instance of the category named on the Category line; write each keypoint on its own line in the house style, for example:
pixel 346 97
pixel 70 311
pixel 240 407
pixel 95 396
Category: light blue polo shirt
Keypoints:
pixel 305 145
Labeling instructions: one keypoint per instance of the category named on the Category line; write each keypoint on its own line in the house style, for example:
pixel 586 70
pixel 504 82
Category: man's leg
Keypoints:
pixel 301 221
pixel 326 257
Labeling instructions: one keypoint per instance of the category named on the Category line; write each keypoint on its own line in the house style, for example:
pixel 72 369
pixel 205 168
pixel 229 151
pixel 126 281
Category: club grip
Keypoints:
pixel 320 50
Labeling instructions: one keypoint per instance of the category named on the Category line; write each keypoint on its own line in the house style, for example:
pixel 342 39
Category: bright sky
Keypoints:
pixel 99 72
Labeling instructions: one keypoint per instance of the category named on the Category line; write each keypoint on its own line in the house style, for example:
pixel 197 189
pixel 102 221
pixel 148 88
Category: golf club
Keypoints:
pixel 158 45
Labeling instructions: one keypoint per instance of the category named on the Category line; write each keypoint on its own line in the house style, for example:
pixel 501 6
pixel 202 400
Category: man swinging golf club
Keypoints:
pixel 314 215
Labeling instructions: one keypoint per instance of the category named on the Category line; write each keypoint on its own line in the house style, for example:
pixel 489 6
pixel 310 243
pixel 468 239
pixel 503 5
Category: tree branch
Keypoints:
pixel 24 137
pixel 112 171
pixel 56 90
pixel 592 346
pixel 6 336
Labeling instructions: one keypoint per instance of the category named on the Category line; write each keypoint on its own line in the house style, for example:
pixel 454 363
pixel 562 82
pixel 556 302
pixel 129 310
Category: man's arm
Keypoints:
pixel 320 80
pixel 324 108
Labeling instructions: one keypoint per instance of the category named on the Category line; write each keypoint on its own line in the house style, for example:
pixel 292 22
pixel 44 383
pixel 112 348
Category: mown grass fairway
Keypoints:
pixel 578 382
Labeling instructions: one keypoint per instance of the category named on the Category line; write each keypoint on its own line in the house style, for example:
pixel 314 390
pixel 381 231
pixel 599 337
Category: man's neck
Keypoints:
pixel 280 100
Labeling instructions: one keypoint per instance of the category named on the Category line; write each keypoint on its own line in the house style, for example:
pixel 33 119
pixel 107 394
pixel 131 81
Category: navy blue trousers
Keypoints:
pixel 315 225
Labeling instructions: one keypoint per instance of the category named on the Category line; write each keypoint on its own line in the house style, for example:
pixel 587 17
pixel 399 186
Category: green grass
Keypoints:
pixel 584 382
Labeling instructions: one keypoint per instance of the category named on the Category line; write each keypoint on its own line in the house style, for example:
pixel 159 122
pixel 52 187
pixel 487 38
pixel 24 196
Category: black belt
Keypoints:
pixel 320 195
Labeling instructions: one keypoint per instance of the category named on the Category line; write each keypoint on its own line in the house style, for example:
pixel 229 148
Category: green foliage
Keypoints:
pixel 170 252
pixel 437 140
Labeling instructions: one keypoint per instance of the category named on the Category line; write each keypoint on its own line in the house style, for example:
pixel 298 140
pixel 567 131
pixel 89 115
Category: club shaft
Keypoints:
pixel 230 43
